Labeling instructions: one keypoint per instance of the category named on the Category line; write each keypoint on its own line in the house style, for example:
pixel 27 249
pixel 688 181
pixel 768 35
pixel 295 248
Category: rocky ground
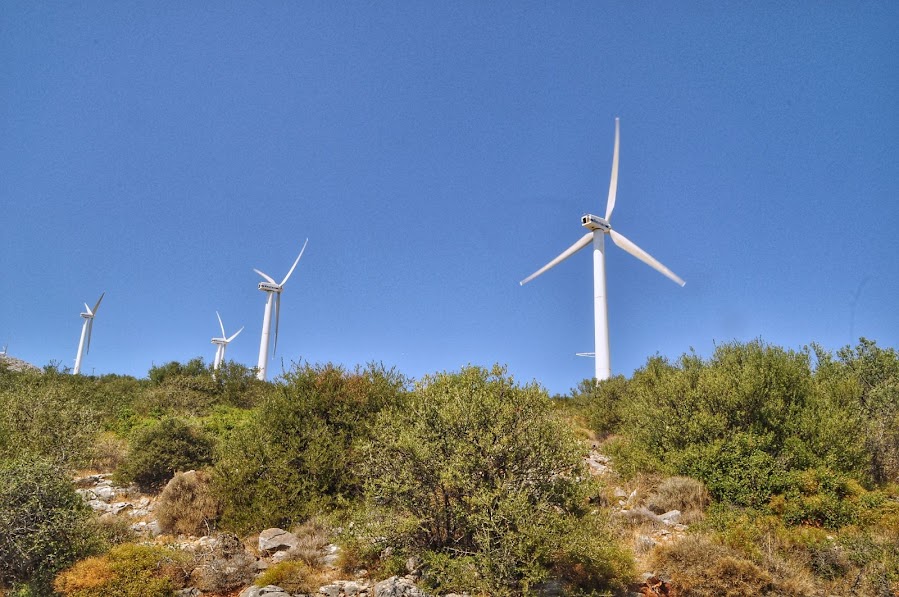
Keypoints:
pixel 226 561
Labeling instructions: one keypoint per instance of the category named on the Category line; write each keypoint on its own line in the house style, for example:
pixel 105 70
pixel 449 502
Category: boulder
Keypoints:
pixel 272 540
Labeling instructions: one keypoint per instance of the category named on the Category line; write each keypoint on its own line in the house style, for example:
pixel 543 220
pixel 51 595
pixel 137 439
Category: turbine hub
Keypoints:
pixel 591 222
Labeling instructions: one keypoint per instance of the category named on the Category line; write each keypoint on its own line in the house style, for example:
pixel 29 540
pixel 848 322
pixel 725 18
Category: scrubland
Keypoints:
pixel 783 466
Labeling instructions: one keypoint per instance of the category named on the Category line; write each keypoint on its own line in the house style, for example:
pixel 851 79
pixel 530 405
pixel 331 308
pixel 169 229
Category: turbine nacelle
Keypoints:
pixel 591 222
pixel 269 287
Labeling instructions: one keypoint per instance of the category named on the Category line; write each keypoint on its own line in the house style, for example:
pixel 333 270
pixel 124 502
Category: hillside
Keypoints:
pixel 755 471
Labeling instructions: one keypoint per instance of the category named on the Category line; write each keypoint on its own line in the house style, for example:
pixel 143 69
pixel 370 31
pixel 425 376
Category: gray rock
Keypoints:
pixel 397 587
pixel 104 492
pixel 268 591
pixel 671 517
pixel 119 507
pixel 97 505
pixel 271 540
pixel 331 555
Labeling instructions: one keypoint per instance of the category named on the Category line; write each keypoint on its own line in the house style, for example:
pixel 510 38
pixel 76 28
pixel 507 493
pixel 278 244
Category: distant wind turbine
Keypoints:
pixel 274 295
pixel 598 228
pixel 86 330
pixel 222 343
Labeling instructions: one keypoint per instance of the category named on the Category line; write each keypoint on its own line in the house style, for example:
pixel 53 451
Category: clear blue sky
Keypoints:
pixel 435 154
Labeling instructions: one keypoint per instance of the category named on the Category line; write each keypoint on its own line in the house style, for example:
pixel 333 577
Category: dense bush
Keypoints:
pixel 44 524
pixel 46 416
pixel 752 419
pixel 475 474
pixel 296 457
pixel 159 451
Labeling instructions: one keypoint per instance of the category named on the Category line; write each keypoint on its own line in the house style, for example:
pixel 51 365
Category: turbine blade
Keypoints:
pixel 613 183
pixel 295 263
pixel 277 321
pixel 625 244
pixel 266 276
pixel 234 336
pixel 97 306
pixel 580 244
pixel 221 325
pixel 89 312
pixel 90 329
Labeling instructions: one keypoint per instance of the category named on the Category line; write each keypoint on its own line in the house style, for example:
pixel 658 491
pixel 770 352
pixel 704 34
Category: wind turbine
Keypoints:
pixel 274 295
pixel 599 228
pixel 86 330
pixel 222 343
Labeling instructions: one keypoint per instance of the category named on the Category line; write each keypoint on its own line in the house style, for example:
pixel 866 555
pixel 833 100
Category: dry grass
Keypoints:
pixel 313 536
pixel 680 493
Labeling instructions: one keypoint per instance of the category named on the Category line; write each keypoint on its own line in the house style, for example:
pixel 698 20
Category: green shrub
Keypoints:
pixel 44 524
pixel 601 403
pixel 475 473
pixel 297 455
pixel 127 570
pixel 46 416
pixel 187 506
pixel 159 451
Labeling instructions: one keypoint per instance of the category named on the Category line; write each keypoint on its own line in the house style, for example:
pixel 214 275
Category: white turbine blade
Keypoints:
pixel 277 321
pixel 643 256
pixel 613 183
pixel 234 336
pixel 221 325
pixel 97 306
pixel 580 244
pixel 266 276
pixel 295 263
pixel 90 328
pixel 88 309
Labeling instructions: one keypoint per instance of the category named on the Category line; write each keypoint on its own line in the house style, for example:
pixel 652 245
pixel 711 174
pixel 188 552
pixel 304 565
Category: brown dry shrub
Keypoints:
pixel 699 567
pixel 222 566
pixel 690 496
pixel 187 506
pixel 84 577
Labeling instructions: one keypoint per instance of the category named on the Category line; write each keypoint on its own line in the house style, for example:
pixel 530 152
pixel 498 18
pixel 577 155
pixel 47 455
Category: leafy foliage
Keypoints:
pixel 159 451
pixel 477 474
pixel 750 420
pixel 297 455
pixel 44 524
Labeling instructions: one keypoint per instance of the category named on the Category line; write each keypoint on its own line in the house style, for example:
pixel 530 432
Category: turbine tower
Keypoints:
pixel 222 343
pixel 86 330
pixel 598 229
pixel 274 295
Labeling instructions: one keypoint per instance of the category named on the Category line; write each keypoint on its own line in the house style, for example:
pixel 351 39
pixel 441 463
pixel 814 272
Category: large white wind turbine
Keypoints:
pixel 599 228
pixel 86 330
pixel 274 295
pixel 222 343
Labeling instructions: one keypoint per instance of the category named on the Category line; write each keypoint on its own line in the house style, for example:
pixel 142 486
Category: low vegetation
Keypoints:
pixel 784 463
